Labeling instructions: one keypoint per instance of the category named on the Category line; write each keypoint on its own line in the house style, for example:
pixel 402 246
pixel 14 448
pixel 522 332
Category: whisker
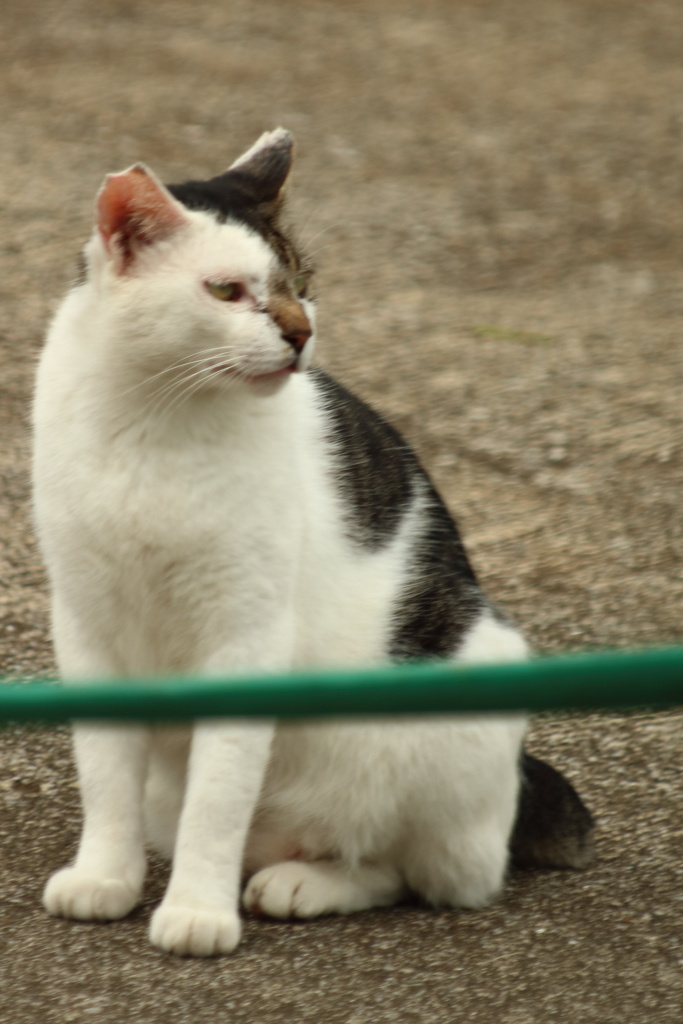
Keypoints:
pixel 169 369
pixel 184 388
pixel 165 392
pixel 193 386
pixel 157 410
pixel 322 231
pixel 195 360
pixel 321 248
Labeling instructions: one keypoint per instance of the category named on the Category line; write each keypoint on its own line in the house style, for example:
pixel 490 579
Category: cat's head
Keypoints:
pixel 200 280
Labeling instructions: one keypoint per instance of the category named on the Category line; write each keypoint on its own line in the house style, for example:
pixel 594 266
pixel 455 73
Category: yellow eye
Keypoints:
pixel 301 284
pixel 226 291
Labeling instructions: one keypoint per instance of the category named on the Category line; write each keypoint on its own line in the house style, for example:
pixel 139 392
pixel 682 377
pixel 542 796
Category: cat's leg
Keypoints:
pixel 199 913
pixel 459 849
pixel 299 888
pixel 461 816
pixel 105 880
pixel 165 787
pixel 553 827
pixel 461 866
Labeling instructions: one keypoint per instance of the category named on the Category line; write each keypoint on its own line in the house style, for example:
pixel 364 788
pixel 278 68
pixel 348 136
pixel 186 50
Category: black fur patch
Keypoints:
pixel 376 468
pixel 380 478
pixel 444 600
pixel 228 199
pixel 554 829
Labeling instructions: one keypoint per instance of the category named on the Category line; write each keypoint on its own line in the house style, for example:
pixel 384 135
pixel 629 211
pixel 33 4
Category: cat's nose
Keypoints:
pixel 297 336
pixel 290 317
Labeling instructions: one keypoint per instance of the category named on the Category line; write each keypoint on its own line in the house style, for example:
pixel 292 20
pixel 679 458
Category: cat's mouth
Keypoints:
pixel 229 370
pixel 274 374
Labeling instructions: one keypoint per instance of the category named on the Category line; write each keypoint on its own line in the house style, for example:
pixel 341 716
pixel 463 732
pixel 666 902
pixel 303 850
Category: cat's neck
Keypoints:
pixel 212 416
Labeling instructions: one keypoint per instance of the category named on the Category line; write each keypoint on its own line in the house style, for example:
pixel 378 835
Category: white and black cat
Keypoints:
pixel 208 503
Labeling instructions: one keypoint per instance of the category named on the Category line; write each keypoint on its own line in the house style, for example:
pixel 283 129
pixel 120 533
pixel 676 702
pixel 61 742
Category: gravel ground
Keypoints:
pixel 494 191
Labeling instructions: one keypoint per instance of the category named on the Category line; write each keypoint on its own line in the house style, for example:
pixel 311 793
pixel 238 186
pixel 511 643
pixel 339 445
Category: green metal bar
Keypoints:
pixel 642 679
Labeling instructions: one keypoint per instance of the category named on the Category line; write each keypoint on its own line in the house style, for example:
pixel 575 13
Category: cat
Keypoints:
pixel 208 502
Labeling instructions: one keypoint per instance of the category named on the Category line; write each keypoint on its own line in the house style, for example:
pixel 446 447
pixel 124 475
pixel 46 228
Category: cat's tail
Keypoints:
pixel 554 829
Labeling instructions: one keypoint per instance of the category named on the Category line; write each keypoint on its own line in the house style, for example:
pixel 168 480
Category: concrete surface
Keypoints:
pixel 495 192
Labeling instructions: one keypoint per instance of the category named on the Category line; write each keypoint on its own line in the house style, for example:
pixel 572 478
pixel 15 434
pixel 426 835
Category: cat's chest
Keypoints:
pixel 159 554
pixel 160 512
pixel 203 498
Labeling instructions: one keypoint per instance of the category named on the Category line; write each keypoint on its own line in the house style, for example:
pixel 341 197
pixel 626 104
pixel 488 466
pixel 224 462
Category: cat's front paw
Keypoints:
pixel 74 893
pixel 189 932
pixel 290 889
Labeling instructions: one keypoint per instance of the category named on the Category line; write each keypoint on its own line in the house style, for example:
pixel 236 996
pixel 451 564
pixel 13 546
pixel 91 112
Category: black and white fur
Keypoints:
pixel 208 503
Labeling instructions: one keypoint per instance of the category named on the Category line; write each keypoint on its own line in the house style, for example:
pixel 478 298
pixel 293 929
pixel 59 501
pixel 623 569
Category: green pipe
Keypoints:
pixel 622 680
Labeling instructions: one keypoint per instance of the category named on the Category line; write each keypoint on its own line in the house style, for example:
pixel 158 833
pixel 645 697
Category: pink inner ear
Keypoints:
pixel 134 209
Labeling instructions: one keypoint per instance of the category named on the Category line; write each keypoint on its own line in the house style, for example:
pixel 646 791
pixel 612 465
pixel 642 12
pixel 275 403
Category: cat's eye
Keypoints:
pixel 301 284
pixel 225 291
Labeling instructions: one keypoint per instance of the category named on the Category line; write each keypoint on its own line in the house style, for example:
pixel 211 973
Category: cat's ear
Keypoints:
pixel 263 170
pixel 134 210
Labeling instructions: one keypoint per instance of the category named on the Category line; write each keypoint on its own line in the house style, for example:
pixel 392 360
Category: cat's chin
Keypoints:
pixel 258 383
pixel 268 383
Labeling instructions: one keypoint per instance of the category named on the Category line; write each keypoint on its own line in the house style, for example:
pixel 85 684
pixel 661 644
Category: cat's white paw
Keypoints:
pixel 189 932
pixel 291 889
pixel 74 893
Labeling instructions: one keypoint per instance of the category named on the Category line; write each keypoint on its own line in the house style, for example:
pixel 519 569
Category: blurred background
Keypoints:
pixel 494 195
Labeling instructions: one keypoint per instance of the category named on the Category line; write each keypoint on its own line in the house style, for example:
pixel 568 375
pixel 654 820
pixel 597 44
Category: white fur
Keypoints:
pixel 265 140
pixel 191 525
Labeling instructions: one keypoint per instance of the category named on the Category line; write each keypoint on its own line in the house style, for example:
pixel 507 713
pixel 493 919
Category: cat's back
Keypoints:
pixel 396 528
